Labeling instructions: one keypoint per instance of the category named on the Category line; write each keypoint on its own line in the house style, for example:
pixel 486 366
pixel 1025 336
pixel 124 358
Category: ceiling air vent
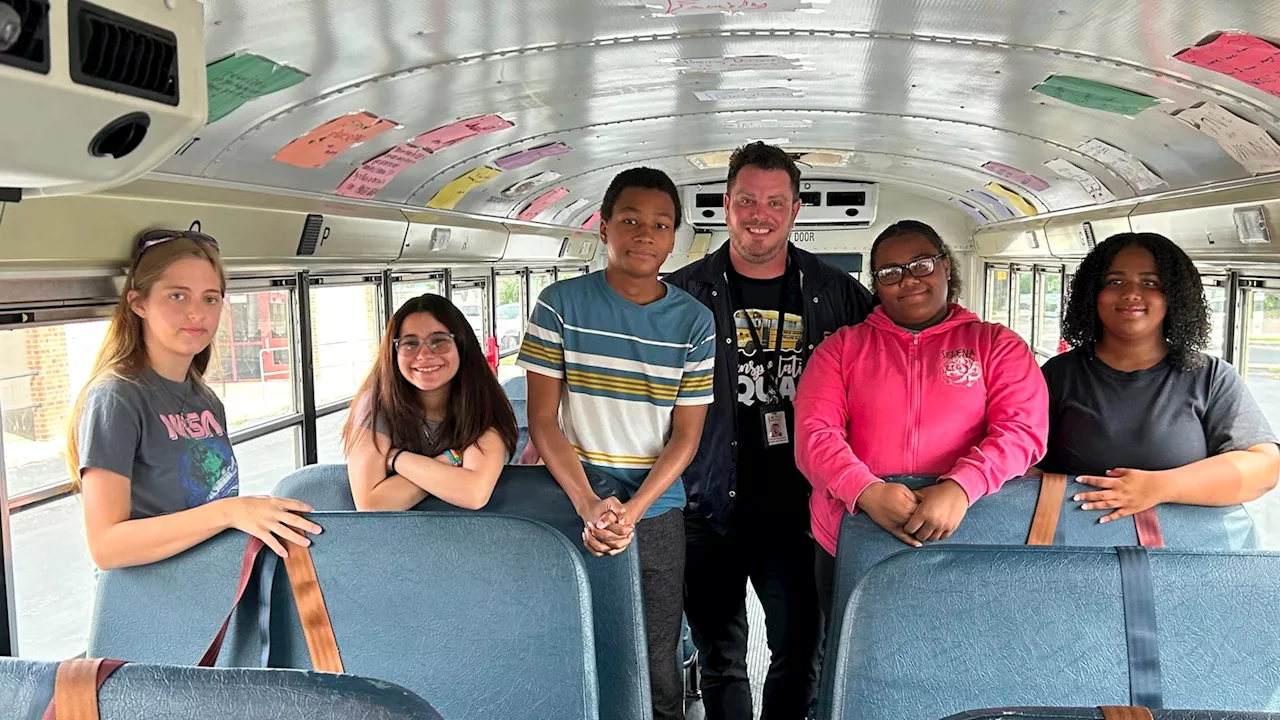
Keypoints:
pixel 24 34
pixel 1086 234
pixel 117 53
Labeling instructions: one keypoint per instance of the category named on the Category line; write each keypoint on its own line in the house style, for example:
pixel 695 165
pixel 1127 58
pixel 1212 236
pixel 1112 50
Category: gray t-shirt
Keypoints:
pixel 1160 418
pixel 168 438
pixel 424 439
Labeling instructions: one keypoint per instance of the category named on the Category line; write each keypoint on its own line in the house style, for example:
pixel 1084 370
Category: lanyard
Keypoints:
pixel 783 287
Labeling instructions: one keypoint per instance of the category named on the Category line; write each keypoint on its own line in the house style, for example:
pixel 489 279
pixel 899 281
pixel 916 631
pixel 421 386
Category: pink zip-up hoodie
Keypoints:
pixel 963 400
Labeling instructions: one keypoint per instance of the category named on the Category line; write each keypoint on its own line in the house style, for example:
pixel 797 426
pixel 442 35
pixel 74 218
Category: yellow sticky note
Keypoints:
pixel 450 195
pixel 1014 199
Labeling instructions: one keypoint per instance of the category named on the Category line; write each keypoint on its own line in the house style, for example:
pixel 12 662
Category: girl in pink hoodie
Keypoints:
pixel 921 387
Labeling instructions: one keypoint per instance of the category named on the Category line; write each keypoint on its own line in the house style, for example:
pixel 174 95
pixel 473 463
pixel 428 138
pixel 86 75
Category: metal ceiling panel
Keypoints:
pixel 942 86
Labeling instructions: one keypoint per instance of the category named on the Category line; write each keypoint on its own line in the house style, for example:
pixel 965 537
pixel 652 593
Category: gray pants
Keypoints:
pixel 661 546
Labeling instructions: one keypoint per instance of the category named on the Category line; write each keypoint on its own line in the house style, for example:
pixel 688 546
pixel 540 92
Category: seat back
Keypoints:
pixel 931 632
pixel 167 612
pixel 616 598
pixel 1004 518
pixel 488 616
pixel 1093 713
pixel 517 390
pixel 143 692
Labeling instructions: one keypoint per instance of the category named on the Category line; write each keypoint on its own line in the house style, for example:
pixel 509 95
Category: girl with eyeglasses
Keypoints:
pixel 921 387
pixel 431 418
pixel 147 442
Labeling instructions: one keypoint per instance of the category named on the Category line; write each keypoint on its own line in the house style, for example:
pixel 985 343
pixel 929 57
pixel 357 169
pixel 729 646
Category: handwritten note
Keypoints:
pixel 737 63
pixel 532 155
pixel 1249 144
pixel 764 93
pixel 1121 163
pixel 704 7
pixel 1084 178
pixel 450 195
pixel 541 203
pixel 374 174
pixel 993 203
pixel 592 221
pixel 318 147
pixel 1095 95
pixel 234 81
pixel 524 187
pixel 970 210
pixel 563 214
pixel 1009 172
pixel 1012 198
pixel 1246 58
pixel 454 133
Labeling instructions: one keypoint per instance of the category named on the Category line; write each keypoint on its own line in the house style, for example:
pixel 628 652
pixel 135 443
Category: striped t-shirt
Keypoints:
pixel 625 367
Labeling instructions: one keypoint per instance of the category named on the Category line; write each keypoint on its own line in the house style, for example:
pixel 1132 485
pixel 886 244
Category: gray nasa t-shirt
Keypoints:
pixel 1155 419
pixel 167 437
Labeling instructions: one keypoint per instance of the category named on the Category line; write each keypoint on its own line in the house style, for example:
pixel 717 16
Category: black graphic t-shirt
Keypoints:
pixel 768 481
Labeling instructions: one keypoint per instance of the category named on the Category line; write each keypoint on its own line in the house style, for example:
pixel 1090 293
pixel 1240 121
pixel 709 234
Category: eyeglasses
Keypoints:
pixel 437 343
pixel 151 238
pixel 893 274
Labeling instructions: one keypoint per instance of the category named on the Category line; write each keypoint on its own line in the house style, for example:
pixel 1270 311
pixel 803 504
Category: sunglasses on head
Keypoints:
pixel 151 238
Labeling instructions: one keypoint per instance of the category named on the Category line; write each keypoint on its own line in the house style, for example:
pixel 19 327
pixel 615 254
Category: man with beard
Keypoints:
pixel 748 513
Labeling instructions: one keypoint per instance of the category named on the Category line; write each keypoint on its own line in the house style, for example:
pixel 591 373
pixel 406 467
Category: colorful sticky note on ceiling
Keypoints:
pixel 541 203
pixel 1084 178
pixel 234 81
pixel 1246 58
pixel 454 133
pixel 704 7
pixel 1249 144
pixel 563 214
pixel 1012 198
pixel 995 204
pixel 374 174
pixel 524 187
pixel 532 155
pixel 451 194
pixel 1013 174
pixel 1095 95
pixel 592 221
pixel 318 147
pixel 1121 163
pixel 970 210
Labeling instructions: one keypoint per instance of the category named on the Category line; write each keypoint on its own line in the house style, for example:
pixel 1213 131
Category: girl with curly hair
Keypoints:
pixel 1137 409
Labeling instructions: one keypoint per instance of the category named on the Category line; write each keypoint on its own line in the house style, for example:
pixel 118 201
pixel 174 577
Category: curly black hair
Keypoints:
pixel 915 227
pixel 640 177
pixel 1186 321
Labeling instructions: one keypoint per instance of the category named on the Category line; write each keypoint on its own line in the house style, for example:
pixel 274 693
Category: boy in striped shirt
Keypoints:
pixel 619 371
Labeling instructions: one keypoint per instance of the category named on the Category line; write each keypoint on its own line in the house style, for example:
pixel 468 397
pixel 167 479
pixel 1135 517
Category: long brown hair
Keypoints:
pixel 476 400
pixel 123 353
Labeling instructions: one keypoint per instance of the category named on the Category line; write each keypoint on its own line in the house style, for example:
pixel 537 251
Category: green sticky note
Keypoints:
pixel 235 80
pixel 1095 95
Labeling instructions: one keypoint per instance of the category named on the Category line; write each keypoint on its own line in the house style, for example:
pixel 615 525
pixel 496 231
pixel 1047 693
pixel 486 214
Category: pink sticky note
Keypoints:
pixel 542 202
pixel 452 134
pixel 322 144
pixel 1009 172
pixel 592 221
pixel 374 174
pixel 532 155
pixel 1244 57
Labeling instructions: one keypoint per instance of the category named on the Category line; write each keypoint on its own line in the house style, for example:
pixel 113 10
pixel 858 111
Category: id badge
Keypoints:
pixel 775 424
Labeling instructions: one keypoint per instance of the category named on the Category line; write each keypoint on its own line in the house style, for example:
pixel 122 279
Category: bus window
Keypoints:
pixel 42 371
pixel 346 323
pixel 1049 291
pixel 252 370
pixel 1216 297
pixel 538 281
pixel 472 299
pixel 1260 361
pixel 402 291
pixel 511 312
pixel 1023 323
pixel 565 274
pixel 997 310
